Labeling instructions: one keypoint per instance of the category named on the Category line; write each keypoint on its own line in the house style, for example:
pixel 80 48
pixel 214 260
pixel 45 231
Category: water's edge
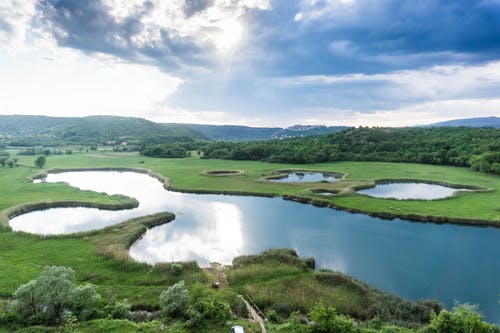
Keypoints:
pixel 24 208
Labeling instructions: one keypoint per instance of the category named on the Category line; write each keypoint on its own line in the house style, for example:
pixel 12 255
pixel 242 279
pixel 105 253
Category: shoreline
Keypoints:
pixel 25 208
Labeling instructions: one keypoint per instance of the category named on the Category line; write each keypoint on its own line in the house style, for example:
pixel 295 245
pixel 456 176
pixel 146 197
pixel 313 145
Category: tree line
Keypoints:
pixel 478 148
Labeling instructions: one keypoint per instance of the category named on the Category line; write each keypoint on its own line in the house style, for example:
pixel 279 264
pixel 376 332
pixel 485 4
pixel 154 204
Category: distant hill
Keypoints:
pixel 90 130
pixel 232 132
pixel 23 130
pixel 471 122
pixel 245 133
pixel 307 130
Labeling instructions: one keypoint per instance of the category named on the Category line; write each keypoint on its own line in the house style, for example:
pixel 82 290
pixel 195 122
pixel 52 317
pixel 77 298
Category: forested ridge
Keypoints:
pixel 478 148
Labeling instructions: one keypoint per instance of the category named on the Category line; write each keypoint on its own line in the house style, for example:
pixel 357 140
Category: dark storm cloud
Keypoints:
pixel 424 26
pixel 192 7
pixel 331 37
pixel 87 25
pixel 371 36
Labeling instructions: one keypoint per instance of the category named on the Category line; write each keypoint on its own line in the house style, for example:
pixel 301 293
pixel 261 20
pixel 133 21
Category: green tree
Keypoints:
pixel 176 269
pixel 47 298
pixel 40 161
pixel 174 300
pixel 326 320
pixel 462 319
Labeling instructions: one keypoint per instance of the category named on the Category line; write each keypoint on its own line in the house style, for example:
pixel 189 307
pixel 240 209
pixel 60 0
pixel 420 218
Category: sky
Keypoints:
pixel 252 62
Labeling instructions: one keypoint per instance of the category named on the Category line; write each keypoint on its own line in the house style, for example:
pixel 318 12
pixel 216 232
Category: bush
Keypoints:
pixel 326 320
pixel 174 300
pixel 273 316
pixel 40 161
pixel 47 298
pixel 208 306
pixel 294 324
pixel 310 262
pixel 120 310
pixel 176 269
pixel 195 318
pixel 394 310
pixel 86 301
pixel 213 309
pixel 237 305
pixel 463 318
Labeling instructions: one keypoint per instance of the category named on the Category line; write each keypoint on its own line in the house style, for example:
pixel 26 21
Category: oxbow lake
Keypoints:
pixel 403 191
pixel 413 260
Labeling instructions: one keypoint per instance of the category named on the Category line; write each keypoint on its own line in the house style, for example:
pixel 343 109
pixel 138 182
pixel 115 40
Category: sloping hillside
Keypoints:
pixel 91 130
pixel 471 122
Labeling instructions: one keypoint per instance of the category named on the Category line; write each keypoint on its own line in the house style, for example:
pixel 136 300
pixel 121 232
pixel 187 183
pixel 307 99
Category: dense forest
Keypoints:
pixel 245 133
pixel 478 148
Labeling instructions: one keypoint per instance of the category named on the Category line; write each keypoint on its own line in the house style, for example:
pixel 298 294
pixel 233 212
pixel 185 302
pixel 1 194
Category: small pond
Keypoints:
pixel 404 191
pixel 306 177
pixel 412 260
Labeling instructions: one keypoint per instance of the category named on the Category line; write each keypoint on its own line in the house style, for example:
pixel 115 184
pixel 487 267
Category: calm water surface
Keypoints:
pixel 413 260
pixel 306 177
pixel 404 191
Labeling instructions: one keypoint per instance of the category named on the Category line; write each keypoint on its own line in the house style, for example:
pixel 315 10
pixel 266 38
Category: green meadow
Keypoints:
pixel 101 257
pixel 187 174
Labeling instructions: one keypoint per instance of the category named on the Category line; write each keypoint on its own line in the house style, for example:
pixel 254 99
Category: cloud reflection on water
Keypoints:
pixel 215 236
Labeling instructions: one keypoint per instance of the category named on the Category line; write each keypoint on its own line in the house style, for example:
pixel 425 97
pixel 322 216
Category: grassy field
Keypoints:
pixel 101 257
pixel 187 174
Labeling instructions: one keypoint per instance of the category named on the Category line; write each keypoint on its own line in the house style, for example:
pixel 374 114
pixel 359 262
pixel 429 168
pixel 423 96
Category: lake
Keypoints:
pixel 305 177
pixel 404 191
pixel 413 260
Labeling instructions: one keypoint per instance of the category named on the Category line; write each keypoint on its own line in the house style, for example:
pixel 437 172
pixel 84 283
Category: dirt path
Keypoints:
pixel 218 273
pixel 255 316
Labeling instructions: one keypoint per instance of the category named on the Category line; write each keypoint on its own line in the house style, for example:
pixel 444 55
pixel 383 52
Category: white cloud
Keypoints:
pixel 435 83
pixel 14 22
pixel 218 24
pixel 410 115
pixel 340 10
pixel 167 114
pixel 71 84
pixel 422 113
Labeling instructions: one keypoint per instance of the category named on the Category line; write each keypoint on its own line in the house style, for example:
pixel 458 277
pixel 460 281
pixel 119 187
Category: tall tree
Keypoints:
pixel 40 161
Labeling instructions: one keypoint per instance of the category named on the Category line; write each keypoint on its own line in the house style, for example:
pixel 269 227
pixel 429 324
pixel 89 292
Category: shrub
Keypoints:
pixel 40 161
pixel 174 300
pixel 282 309
pixel 120 310
pixel 310 262
pixel 213 309
pixel 463 318
pixel 195 318
pixel 176 269
pixel 294 324
pixel 394 310
pixel 326 320
pixel 237 305
pixel 47 298
pixel 86 301
pixel 273 316
pixel 209 305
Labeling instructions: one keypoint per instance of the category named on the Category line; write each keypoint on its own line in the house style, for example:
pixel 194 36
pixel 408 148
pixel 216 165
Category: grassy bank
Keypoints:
pixel 99 257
